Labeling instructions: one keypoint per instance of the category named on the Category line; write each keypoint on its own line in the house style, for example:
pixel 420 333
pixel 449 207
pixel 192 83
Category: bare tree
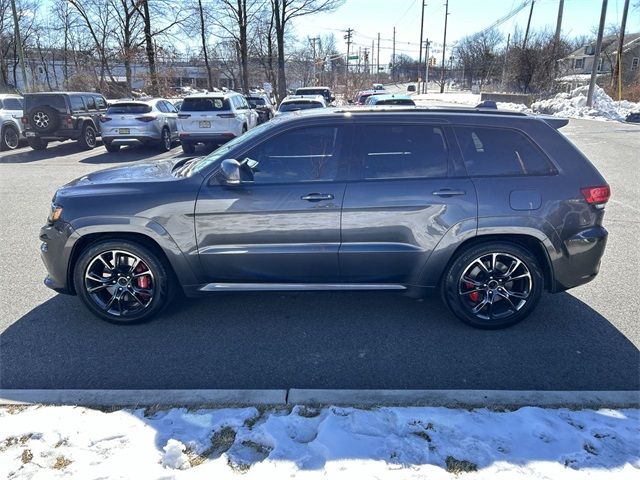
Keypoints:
pixel 286 10
pixel 479 55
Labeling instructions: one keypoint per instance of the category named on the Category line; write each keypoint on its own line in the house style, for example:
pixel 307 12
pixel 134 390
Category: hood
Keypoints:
pixel 156 171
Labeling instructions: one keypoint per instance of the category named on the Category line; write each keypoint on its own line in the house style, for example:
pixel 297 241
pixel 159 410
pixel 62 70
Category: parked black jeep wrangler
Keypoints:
pixel 62 116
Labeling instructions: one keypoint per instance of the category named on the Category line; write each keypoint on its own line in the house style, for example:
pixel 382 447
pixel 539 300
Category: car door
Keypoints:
pixel 407 193
pixel 284 226
pixel 172 118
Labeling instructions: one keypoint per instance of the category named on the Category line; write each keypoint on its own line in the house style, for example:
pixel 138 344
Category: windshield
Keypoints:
pixel 253 101
pixel 295 106
pixel 129 108
pixel 202 163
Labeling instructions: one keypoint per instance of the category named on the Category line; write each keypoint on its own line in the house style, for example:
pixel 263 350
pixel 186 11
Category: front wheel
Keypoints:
pixel 37 143
pixel 122 282
pixel 165 140
pixel 493 285
pixel 188 148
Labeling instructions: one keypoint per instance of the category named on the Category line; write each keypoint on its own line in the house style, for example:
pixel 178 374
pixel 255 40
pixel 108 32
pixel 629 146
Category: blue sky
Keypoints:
pixel 368 17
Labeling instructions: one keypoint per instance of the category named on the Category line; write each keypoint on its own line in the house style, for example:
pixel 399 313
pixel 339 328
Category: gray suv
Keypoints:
pixel 489 209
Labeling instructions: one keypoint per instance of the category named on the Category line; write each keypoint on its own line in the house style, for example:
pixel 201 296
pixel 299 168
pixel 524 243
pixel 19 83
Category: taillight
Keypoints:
pixel 104 119
pixel 227 115
pixel 24 120
pixel 146 118
pixel 596 196
pixel 69 121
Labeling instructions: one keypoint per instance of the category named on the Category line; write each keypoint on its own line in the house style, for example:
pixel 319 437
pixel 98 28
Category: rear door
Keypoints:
pixel 407 193
pixel 284 226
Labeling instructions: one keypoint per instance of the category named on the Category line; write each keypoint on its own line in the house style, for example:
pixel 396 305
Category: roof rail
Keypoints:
pixel 466 110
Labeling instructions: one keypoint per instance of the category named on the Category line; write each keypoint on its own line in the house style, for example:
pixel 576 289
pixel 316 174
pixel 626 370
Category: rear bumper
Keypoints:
pixel 59 134
pixel 206 137
pixel 131 139
pixel 581 262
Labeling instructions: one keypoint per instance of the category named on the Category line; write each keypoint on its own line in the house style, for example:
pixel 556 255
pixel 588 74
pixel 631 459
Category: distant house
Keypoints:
pixel 576 67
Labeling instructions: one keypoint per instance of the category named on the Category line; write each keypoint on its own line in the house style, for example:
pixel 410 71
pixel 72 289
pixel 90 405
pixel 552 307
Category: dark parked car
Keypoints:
pixel 61 116
pixel 261 104
pixel 488 208
pixel 326 92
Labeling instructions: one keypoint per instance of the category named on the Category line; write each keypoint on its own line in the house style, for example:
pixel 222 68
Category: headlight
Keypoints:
pixel 54 214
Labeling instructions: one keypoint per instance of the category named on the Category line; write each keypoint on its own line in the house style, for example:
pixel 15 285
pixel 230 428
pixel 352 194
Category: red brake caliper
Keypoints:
pixel 473 296
pixel 142 281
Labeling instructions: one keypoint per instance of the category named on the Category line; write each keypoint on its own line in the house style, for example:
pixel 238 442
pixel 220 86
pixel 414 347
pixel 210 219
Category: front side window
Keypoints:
pixel 101 103
pixel 401 151
pixel 303 155
pixel 501 151
pixel 161 106
pixel 90 102
pixel 77 105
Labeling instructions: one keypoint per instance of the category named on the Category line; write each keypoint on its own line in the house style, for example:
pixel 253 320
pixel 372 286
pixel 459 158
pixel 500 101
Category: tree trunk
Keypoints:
pixel 203 37
pixel 151 57
pixel 242 24
pixel 280 21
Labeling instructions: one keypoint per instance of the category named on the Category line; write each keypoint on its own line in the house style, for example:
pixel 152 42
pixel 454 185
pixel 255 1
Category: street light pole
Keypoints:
pixel 596 55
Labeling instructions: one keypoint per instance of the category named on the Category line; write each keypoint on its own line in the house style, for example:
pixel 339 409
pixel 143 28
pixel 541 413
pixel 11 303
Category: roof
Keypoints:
pixel 313 88
pixel 9 95
pixel 309 98
pixel 389 96
pixel 610 45
pixel 64 93
pixel 228 93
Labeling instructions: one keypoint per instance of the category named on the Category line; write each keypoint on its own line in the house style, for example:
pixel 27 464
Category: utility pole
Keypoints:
pixel 347 37
pixel 526 32
pixel 426 68
pixel 372 56
pixel 16 24
pixel 504 65
pixel 378 61
pixel 617 74
pixel 559 22
pixel 420 44
pixel 313 45
pixel 444 45
pixel 393 55
pixel 596 56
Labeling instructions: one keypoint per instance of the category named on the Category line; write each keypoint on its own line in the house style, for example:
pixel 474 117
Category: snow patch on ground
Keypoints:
pixel 333 442
pixel 574 105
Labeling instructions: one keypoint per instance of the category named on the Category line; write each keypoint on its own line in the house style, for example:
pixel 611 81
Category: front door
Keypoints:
pixel 284 226
pixel 405 197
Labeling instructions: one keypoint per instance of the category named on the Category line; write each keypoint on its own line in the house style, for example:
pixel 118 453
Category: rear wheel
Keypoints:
pixel 493 285
pixel 188 147
pixel 111 147
pixel 37 143
pixel 88 137
pixel 165 140
pixel 10 138
pixel 122 282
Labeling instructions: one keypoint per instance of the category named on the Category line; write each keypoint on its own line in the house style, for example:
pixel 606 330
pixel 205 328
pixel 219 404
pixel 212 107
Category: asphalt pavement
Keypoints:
pixel 584 339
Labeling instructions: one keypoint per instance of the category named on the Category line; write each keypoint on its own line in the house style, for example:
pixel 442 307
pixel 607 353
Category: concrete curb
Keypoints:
pixel 130 398
pixel 469 398
pixel 214 398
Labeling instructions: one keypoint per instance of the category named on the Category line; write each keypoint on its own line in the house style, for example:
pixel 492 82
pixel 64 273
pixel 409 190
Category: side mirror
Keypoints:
pixel 333 98
pixel 232 173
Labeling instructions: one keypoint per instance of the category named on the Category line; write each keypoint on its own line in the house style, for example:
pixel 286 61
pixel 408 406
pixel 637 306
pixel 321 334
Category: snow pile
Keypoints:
pixel 574 105
pixel 174 456
pixel 514 107
pixel 333 442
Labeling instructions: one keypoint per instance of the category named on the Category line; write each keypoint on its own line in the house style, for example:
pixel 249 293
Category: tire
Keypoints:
pixel 498 298
pixel 112 279
pixel 44 119
pixel 244 129
pixel 188 147
pixel 111 148
pixel 37 143
pixel 10 138
pixel 88 138
pixel 165 141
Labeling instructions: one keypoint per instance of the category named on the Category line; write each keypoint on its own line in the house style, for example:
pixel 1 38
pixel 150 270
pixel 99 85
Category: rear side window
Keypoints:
pixel 401 151
pixel 123 108
pixel 204 105
pixel 77 105
pixel 11 104
pixel 501 151
pixel 54 101
pixel 90 102
pixel 162 107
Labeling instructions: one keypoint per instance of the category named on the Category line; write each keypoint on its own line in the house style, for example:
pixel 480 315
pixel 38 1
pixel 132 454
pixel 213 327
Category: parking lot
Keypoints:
pixel 584 339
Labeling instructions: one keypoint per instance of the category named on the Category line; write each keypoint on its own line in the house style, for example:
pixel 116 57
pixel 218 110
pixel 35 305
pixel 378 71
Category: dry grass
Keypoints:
pixel 26 456
pixel 61 463
pixel 457 467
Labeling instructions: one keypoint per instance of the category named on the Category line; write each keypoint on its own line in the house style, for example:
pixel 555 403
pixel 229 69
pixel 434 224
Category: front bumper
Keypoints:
pixel 581 262
pixel 55 251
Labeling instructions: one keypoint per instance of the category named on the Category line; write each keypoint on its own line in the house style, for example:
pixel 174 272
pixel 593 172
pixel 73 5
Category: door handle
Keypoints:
pixel 316 197
pixel 447 192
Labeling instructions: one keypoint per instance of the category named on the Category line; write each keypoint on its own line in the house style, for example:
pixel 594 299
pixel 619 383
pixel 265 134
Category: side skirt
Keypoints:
pixel 306 287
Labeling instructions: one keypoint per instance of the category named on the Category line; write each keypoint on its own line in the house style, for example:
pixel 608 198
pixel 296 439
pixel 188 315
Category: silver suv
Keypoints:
pixel 489 209
pixel 11 107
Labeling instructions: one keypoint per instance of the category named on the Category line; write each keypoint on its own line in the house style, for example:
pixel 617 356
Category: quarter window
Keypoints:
pixel 401 151
pixel 501 151
pixel 304 155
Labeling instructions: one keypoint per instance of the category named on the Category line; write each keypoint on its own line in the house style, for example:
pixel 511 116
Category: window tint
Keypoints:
pixel 294 106
pixel 303 155
pixel 204 105
pixel 124 107
pixel 90 102
pixel 401 151
pixel 500 151
pixel 12 104
pixel 77 105
pixel 101 103
pixel 162 107
pixel 170 107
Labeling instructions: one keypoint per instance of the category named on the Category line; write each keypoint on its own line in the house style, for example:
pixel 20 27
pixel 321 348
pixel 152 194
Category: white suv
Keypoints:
pixel 11 107
pixel 213 118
